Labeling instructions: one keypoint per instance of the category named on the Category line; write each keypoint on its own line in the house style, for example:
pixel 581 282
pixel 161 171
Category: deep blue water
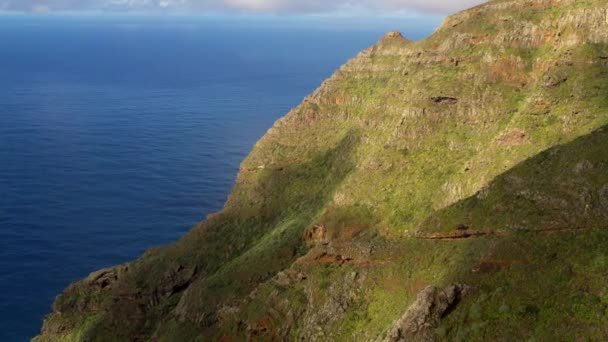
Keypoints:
pixel 118 134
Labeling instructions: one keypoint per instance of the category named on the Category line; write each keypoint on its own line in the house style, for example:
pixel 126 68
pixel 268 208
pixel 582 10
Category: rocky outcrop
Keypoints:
pixel 316 234
pixel 568 26
pixel 107 277
pixel 431 305
pixel 392 38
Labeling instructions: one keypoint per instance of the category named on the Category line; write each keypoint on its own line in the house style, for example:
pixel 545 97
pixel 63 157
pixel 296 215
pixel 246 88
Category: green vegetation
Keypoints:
pixel 476 156
pixel 538 288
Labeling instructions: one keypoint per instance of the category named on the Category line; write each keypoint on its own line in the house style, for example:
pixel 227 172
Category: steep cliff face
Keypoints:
pixel 474 159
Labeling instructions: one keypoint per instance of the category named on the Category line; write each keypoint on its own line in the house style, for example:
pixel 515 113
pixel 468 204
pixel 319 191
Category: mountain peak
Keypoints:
pixel 392 39
pixel 394 35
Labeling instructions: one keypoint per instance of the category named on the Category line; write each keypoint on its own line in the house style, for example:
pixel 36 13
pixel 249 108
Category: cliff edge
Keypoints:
pixel 453 188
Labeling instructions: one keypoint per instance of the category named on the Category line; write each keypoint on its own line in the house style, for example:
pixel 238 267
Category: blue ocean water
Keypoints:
pixel 118 134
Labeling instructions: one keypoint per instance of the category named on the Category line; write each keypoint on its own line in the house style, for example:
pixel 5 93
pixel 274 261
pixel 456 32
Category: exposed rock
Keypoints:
pixel 340 296
pixel 513 137
pixel 551 81
pixel 566 29
pixel 393 37
pixel 461 232
pixel 444 100
pixel 462 227
pixel 316 234
pixel 106 277
pixel 176 280
pixel 431 305
pixel 289 277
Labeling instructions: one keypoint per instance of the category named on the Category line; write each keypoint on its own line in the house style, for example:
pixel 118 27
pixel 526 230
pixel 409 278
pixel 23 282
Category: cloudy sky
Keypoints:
pixel 241 6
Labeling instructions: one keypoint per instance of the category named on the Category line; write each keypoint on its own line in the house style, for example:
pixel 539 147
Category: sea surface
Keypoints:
pixel 120 133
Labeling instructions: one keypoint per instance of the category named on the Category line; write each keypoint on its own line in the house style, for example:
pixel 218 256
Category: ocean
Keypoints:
pixel 119 133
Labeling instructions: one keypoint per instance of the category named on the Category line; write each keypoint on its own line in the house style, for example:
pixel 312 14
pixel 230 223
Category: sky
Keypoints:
pixel 305 7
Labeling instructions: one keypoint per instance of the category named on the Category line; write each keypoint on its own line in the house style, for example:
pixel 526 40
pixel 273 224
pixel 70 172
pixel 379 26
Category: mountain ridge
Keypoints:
pixel 472 158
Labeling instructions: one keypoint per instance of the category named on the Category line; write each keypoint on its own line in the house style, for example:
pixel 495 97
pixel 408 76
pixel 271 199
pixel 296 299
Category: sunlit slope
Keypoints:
pixel 475 156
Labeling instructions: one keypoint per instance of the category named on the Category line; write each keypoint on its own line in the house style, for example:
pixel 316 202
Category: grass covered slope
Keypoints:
pixel 476 156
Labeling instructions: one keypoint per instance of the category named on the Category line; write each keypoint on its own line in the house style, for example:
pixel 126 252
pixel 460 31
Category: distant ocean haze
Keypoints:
pixel 118 133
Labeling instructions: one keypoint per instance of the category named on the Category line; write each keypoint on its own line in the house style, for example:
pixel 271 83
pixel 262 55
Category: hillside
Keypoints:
pixel 453 188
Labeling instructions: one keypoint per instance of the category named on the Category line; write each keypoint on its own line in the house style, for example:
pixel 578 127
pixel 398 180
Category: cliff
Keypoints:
pixel 453 188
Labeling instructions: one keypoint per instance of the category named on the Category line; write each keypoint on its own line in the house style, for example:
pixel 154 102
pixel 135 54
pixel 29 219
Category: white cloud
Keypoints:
pixel 246 6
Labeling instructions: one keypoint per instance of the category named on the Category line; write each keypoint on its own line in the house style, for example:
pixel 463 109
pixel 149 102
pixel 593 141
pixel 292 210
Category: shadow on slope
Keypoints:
pixel 532 276
pixel 540 263
pixel 175 291
pixel 564 187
